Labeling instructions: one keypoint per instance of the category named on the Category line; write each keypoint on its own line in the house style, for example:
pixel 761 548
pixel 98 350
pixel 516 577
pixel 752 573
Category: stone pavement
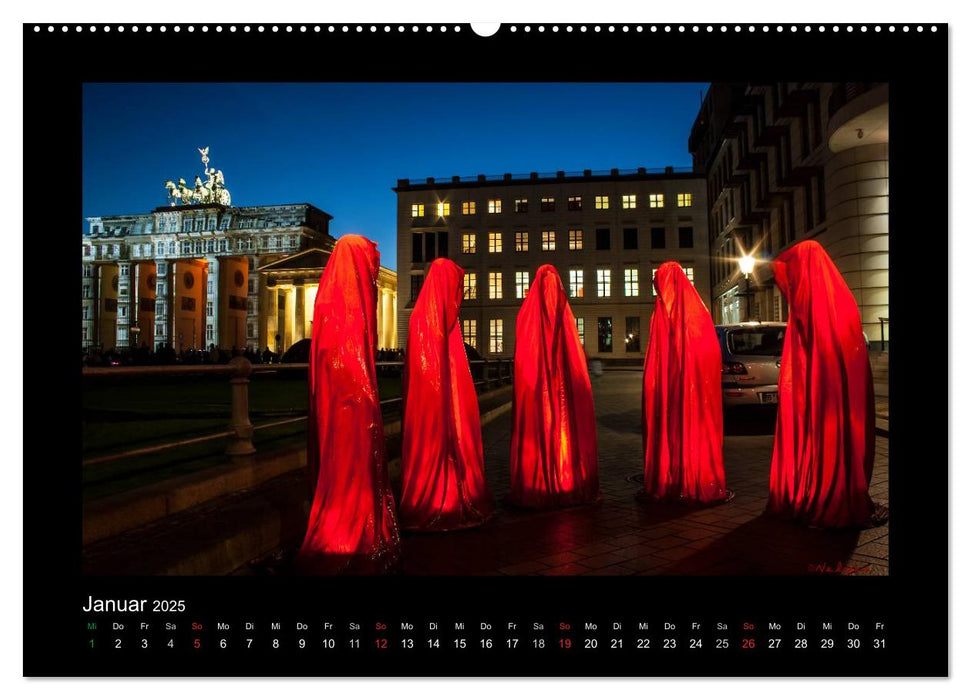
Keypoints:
pixel 622 536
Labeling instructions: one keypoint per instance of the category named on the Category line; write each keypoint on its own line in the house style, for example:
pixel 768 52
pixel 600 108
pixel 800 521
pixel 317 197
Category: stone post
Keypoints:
pixel 241 443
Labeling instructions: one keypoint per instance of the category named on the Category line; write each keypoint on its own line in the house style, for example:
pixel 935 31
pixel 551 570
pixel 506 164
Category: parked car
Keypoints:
pixel 751 356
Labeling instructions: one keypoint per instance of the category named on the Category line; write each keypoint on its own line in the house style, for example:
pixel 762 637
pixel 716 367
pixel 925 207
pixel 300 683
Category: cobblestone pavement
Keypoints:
pixel 622 536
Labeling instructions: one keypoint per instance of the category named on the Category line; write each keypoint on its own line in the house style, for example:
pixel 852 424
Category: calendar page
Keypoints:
pixel 531 350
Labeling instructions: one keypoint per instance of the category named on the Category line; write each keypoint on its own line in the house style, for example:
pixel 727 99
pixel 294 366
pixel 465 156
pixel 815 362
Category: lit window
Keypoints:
pixel 468 243
pixel 656 201
pixel 605 334
pixel 601 201
pixel 444 209
pixel 522 284
pixel 208 308
pixel 632 287
pixel 495 335
pixel 576 239
pixel 468 208
pixel 495 206
pixel 576 283
pixel 495 241
pixel 470 286
pixel 689 272
pixel 417 210
pixel 521 206
pixel 470 331
pixel 549 240
pixel 522 241
pixel 653 275
pixel 574 203
pixel 583 337
pixel 495 285
pixel 628 201
pixel 547 204
pixel 684 199
pixel 632 339
pixel 603 282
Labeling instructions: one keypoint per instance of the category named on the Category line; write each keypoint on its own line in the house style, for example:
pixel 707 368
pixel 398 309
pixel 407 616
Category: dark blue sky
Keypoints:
pixel 342 147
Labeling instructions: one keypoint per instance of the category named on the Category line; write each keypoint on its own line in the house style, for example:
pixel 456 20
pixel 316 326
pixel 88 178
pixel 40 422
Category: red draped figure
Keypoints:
pixel 352 526
pixel 824 434
pixel 682 412
pixel 443 483
pixel 553 460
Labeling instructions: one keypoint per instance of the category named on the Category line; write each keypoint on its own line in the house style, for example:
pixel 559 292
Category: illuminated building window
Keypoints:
pixel 522 284
pixel 574 203
pixel 208 308
pixel 603 281
pixel 470 286
pixel 522 241
pixel 547 204
pixel 632 287
pixel 468 208
pixel 495 335
pixel 549 240
pixel 417 210
pixel 686 237
pixel 632 339
pixel 160 330
pixel 416 282
pixel 576 239
pixel 470 332
pixel 444 209
pixel 576 283
pixel 495 206
pixel 656 201
pixel 495 285
pixel 628 201
pixel 684 199
pixel 521 206
pixel 601 201
pixel 209 331
pixel 605 334
pixel 85 312
pixel 495 241
pixel 580 332
pixel 468 243
pixel 689 272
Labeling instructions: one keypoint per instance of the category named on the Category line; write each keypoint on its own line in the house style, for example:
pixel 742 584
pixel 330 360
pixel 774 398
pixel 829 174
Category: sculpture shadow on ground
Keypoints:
pixel 767 545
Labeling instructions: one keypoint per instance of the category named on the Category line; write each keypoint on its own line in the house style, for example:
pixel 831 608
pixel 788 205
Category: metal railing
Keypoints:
pixel 884 320
pixel 485 374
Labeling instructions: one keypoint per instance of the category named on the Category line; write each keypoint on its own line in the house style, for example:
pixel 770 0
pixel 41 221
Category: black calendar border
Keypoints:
pixel 913 598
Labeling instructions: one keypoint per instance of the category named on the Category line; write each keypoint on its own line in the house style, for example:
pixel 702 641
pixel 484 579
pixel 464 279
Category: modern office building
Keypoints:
pixel 605 232
pixel 200 272
pixel 786 162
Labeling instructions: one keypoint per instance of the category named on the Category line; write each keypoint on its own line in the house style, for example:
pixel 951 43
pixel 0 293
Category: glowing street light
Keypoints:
pixel 746 264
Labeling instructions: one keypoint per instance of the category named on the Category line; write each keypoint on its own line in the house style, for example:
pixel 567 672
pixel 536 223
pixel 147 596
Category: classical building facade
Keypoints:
pixel 605 232
pixel 786 162
pixel 200 272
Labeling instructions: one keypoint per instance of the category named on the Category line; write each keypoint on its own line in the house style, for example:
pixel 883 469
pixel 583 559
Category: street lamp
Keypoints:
pixel 746 264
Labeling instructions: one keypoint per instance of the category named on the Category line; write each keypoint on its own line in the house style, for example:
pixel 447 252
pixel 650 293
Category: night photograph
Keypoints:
pixel 504 329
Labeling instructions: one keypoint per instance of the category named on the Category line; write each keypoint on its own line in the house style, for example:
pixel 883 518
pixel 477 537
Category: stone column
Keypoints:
pixel 288 318
pixel 271 318
pixel 300 298
pixel 858 228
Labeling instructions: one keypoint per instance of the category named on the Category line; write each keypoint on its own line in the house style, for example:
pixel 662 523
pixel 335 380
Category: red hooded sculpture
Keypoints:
pixel 553 461
pixel 824 434
pixel 682 417
pixel 443 483
pixel 352 526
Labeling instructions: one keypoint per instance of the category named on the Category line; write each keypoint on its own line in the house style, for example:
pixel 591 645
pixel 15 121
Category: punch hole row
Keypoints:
pixel 414 28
